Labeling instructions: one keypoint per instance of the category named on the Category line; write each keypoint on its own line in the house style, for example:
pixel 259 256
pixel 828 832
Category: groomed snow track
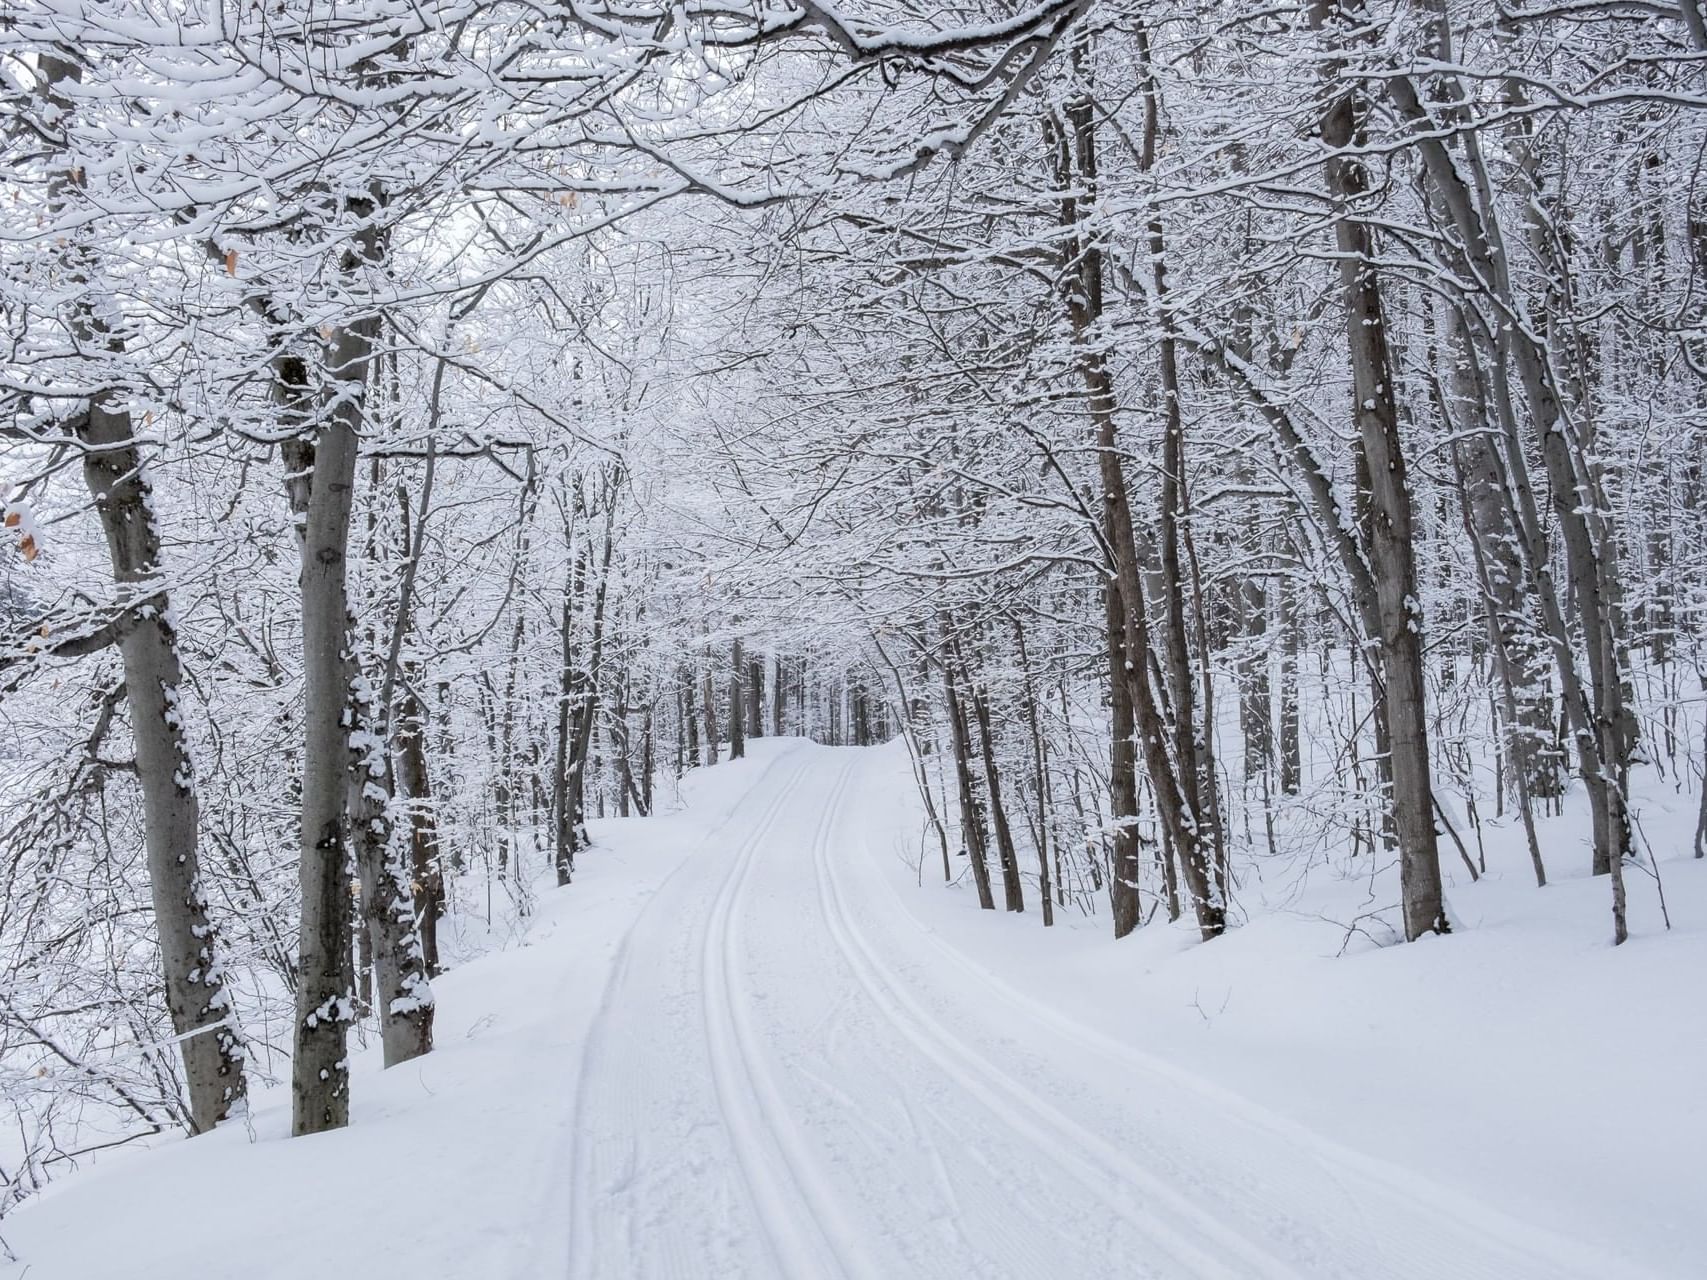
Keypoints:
pixel 790 1076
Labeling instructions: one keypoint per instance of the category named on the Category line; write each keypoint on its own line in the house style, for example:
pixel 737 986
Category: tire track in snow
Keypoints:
pixel 1085 1156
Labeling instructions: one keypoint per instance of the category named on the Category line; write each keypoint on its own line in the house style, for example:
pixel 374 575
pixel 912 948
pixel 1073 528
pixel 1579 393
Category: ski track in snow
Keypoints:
pixel 791 1076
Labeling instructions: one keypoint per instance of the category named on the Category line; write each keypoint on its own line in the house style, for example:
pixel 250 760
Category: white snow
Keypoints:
pixel 746 1043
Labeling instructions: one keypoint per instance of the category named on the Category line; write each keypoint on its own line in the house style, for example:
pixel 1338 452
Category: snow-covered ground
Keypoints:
pixel 746 1043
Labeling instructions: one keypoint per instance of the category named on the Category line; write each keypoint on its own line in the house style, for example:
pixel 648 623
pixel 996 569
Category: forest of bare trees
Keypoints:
pixel 1215 438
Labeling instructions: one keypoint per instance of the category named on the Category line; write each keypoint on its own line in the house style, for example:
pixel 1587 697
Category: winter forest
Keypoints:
pixel 756 638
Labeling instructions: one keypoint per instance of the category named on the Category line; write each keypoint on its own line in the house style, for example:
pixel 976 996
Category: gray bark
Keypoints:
pixel 1074 146
pixel 1013 892
pixel 755 698
pixel 971 822
pixel 689 720
pixel 1524 705
pixel 737 701
pixel 1389 542
pixel 414 785
pixel 324 996
pixel 196 998
pixel 402 993
pixel 708 702
pixel 578 712
pixel 1598 709
pixel 1256 719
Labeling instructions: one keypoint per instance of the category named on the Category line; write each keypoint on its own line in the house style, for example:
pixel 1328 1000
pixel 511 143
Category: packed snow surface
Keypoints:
pixel 748 1043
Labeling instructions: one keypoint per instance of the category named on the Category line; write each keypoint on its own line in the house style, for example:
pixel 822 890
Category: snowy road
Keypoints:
pixel 791 1076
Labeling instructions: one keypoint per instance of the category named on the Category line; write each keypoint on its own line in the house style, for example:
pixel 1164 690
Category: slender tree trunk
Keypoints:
pixel 191 957
pixel 1040 774
pixel 1525 708
pixel 1603 721
pixel 861 714
pixel 403 996
pixel 1076 169
pixel 1291 739
pixel 708 699
pixel 562 807
pixel 689 720
pixel 320 1063
pixel 971 822
pixel 416 789
pixel 1013 891
pixel 1256 721
pixel 755 698
pixel 1390 544
pixel 190 947
pixel 583 690
pixel 1125 855
pixel 912 708
pixel 505 779
pixel 737 702
pixel 1193 749
pixel 648 751
pixel 620 732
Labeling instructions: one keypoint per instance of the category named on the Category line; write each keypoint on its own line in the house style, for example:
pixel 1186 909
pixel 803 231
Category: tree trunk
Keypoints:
pixel 403 996
pixel 1082 294
pixel 1013 892
pixel 1389 546
pixel 971 823
pixel 1126 857
pixel 190 948
pixel 737 702
pixel 689 720
pixel 913 708
pixel 320 1063
pixel 1040 775
pixel 1193 762
pixel 1291 740
pixel 1525 707
pixel 755 698
pixel 416 789
pixel 1598 708
pixel 708 700
pixel 583 695
pixel 562 806
pixel 1256 721
pixel 648 753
